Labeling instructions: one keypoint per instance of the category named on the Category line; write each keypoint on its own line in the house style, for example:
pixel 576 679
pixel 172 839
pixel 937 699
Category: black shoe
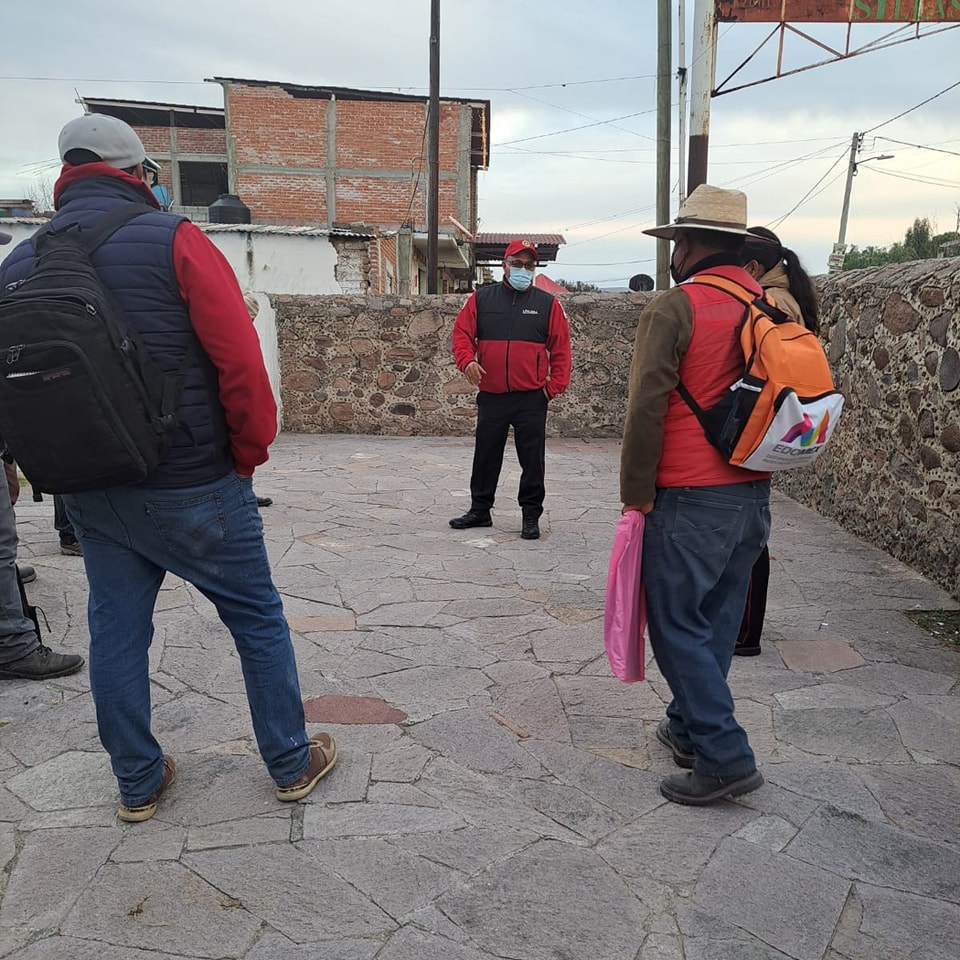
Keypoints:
pixel 744 650
pixel 472 518
pixel 71 548
pixel 264 501
pixel 27 573
pixel 682 758
pixel 41 664
pixel 530 530
pixel 697 790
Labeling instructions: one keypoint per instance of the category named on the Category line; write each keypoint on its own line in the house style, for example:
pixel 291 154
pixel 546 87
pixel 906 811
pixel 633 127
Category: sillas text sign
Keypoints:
pixel 838 11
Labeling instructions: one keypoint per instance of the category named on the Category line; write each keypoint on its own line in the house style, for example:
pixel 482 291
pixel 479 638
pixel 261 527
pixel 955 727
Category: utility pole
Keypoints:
pixel 703 74
pixel 433 149
pixel 682 107
pixel 851 171
pixel 664 80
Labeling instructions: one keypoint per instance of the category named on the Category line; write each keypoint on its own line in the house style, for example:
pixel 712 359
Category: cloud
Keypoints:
pixel 595 181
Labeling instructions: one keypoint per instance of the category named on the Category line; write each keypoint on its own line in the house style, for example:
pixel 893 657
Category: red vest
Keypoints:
pixel 712 362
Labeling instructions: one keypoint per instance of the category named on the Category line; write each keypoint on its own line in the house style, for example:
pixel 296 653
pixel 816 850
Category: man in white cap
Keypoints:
pixel 195 514
pixel 706 521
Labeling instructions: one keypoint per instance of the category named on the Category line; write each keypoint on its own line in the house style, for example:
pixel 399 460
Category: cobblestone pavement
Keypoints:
pixel 496 795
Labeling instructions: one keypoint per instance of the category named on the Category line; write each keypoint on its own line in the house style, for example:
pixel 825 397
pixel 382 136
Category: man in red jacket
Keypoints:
pixel 706 521
pixel 511 340
pixel 196 514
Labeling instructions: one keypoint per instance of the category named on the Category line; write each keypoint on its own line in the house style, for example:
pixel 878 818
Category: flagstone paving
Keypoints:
pixel 496 794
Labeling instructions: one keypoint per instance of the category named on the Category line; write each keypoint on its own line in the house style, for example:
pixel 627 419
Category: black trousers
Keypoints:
pixel 526 412
pixel 752 626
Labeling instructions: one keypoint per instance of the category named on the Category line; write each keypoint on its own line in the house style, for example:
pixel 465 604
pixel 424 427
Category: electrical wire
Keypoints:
pixel 808 194
pixel 922 103
pixel 920 146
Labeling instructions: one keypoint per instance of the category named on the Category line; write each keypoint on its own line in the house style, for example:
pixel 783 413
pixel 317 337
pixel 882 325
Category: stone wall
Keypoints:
pixel 382 365
pixel 891 473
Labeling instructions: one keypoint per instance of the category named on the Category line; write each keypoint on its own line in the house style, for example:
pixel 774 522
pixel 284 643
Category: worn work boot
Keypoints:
pixel 472 518
pixel 682 758
pixel 41 664
pixel 323 755
pixel 697 790
pixel 144 811
pixel 71 548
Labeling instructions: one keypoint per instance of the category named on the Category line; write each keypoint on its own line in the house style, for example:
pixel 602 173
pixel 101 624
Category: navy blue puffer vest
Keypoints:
pixel 136 266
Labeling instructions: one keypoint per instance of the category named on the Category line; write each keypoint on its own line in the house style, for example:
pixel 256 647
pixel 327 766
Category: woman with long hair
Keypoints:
pixel 784 281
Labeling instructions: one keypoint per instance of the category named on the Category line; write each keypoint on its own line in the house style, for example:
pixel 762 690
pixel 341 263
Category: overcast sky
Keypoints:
pixel 573 92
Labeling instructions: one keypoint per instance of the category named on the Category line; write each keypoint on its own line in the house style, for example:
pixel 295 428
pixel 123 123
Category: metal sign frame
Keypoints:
pixel 901 32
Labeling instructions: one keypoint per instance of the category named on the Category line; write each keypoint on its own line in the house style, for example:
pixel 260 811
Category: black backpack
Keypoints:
pixel 82 404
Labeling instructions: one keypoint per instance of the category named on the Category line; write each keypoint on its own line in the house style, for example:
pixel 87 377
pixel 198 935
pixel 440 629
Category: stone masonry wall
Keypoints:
pixel 891 473
pixel 382 365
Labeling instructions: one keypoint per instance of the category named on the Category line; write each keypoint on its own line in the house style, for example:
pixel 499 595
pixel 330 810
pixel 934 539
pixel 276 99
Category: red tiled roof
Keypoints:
pixel 550 239
pixel 543 282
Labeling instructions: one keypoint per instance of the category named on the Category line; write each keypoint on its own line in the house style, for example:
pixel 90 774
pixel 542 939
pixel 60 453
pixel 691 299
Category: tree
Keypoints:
pixel 919 243
pixel 579 286
pixel 41 195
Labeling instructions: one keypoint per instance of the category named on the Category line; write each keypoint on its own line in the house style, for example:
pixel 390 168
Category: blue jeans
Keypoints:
pixel 212 536
pixel 699 546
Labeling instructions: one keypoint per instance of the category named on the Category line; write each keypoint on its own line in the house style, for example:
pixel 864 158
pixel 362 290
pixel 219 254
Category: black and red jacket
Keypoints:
pixel 522 340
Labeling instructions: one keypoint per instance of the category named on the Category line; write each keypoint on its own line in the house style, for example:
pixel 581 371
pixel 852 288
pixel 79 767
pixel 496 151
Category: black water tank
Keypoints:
pixel 229 208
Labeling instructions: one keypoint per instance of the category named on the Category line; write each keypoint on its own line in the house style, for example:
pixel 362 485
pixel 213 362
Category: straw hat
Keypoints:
pixel 708 208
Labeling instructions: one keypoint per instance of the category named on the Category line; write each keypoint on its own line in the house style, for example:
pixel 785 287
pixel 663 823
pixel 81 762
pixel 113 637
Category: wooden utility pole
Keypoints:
pixel 703 76
pixel 433 149
pixel 664 79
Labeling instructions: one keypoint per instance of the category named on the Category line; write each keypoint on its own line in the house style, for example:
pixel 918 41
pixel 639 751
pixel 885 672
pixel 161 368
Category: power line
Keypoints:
pixel 922 103
pixel 807 195
pixel 929 181
pixel 920 146
pixel 599 123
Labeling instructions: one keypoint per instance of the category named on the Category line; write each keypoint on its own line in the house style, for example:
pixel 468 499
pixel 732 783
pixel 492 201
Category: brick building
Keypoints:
pixel 327 157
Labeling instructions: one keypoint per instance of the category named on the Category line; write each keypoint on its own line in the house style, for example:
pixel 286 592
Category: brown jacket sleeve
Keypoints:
pixel 663 335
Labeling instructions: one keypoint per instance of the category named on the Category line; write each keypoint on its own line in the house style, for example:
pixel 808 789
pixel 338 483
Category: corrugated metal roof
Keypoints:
pixel 270 228
pixel 281 230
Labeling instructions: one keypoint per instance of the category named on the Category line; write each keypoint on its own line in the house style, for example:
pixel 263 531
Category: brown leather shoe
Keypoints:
pixel 323 755
pixel 144 811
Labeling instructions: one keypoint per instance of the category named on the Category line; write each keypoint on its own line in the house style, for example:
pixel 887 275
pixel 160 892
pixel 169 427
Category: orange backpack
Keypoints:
pixel 780 413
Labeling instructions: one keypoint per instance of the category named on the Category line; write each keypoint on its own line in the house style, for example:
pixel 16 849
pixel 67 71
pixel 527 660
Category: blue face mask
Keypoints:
pixel 519 278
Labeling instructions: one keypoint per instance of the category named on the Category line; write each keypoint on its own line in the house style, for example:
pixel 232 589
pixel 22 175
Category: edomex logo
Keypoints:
pixel 807 432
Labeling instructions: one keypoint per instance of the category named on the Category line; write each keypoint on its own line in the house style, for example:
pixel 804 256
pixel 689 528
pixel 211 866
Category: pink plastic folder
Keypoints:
pixel 624 615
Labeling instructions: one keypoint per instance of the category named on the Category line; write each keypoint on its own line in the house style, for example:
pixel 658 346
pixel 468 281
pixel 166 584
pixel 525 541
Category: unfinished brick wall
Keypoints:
pixel 269 127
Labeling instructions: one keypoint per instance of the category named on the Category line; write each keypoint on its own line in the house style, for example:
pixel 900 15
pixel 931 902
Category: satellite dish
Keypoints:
pixel 641 283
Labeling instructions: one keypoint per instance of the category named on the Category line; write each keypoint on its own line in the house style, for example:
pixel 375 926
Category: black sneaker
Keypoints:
pixel 264 501
pixel 530 530
pixel 472 518
pixel 41 664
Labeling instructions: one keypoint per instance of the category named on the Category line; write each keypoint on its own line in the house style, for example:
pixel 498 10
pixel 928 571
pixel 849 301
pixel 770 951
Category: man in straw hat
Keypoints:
pixel 706 521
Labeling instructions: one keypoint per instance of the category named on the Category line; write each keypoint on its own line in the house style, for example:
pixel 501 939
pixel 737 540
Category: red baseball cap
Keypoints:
pixel 518 246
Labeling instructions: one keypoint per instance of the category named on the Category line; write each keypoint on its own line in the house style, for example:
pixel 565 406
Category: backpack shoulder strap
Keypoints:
pixel 94 236
pixel 107 225
pixel 741 293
